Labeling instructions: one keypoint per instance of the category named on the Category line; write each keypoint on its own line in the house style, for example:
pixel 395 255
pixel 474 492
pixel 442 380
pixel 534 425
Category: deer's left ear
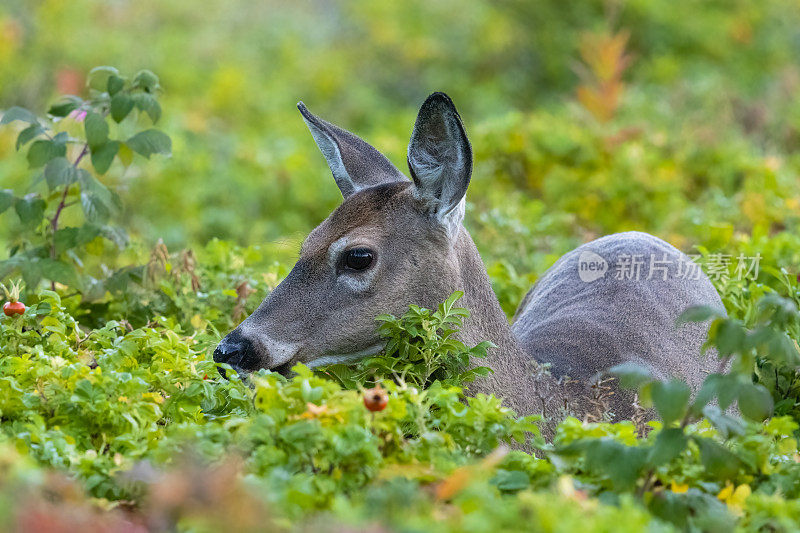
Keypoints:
pixel 355 164
pixel 440 160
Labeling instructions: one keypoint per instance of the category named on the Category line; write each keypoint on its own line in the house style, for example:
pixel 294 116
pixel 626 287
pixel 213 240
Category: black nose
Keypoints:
pixel 236 351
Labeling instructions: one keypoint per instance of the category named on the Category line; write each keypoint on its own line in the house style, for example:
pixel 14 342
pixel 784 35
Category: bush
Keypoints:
pixel 113 415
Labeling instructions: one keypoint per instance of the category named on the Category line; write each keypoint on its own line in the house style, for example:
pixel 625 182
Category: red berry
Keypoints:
pixel 375 399
pixel 13 308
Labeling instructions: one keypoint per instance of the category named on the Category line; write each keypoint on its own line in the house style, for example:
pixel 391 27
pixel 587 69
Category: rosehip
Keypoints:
pixel 13 308
pixel 375 399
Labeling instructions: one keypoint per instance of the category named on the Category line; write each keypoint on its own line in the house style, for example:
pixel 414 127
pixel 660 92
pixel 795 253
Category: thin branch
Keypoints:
pixel 54 220
pixel 647 483
pixel 82 154
pixel 61 205
pixel 723 364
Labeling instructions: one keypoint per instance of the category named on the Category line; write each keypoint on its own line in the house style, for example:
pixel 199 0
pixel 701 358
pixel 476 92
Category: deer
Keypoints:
pixel 396 241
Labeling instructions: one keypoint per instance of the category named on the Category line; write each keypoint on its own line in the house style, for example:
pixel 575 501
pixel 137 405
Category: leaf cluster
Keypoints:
pixel 422 347
pixel 76 130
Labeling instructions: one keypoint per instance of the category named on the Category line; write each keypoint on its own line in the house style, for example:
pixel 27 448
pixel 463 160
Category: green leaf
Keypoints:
pixel 717 460
pixel 68 238
pixel 125 154
pixel 755 402
pixel 42 309
pixel 699 313
pixel 670 442
pixel 61 139
pixel 121 279
pixel 6 199
pixel 30 272
pixel 471 374
pixel 150 142
pixel 730 337
pixel 670 399
pixel 148 104
pixel 726 425
pixel 114 84
pixel 43 151
pixel 96 130
pixel 780 348
pixel 58 271
pixel 90 184
pixel 116 235
pixel 28 134
pixel 146 80
pixel 18 113
pixel 724 387
pixel 94 208
pixel 58 172
pixel 103 156
pixel 511 480
pixel 631 375
pixel 451 300
pixel 30 209
pixel 621 464
pixel 65 107
pixel 672 507
pixel 98 77
pixel 96 200
pixel 121 106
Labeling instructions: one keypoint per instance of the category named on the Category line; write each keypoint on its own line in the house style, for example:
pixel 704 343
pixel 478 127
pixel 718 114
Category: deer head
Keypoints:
pixel 392 242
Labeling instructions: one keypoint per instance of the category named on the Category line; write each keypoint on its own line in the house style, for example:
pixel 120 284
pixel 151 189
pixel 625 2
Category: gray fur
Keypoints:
pixel 355 165
pixel 440 159
pixel 582 328
pixel 322 312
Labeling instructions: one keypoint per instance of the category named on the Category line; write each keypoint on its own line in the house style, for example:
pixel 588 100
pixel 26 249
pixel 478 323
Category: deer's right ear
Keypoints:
pixel 354 163
pixel 440 160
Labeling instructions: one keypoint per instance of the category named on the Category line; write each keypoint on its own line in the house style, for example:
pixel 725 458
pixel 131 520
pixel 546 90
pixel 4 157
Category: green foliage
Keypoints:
pixel 86 401
pixel 105 404
pixel 108 395
pixel 96 404
pixel 421 348
pixel 49 250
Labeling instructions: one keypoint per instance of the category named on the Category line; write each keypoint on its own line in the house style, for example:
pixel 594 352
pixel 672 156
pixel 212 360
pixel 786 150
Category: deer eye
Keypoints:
pixel 358 258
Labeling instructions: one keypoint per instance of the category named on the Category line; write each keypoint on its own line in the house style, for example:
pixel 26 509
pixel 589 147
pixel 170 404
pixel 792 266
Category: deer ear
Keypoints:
pixel 440 159
pixel 355 164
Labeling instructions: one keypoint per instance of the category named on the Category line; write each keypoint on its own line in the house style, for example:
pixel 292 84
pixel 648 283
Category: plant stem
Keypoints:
pixel 723 364
pixel 54 221
pixel 81 155
pixel 61 205
pixel 646 484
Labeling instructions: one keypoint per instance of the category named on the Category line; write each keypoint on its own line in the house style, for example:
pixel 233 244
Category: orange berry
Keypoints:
pixel 376 399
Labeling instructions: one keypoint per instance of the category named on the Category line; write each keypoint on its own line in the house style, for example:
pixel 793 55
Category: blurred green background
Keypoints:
pixel 677 117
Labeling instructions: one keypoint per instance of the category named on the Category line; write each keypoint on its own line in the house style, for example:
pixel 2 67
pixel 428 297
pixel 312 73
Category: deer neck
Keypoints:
pixel 517 378
pixel 487 320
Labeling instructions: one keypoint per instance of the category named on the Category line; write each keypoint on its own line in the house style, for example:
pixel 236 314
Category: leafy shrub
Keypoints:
pixel 112 414
pixel 421 348
pixel 94 402
pixel 49 250
pixel 97 404
pixel 110 405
